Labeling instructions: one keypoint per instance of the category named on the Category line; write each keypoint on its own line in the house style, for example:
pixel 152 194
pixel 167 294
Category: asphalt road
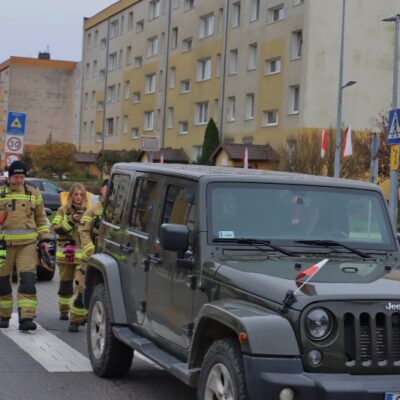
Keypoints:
pixel 23 377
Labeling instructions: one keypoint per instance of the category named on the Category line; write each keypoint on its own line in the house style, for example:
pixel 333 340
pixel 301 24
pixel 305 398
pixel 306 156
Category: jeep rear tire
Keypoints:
pixel 222 373
pixel 110 358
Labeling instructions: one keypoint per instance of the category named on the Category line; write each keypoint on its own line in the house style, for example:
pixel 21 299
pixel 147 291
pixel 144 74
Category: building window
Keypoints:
pixel 172 77
pixel 110 126
pixel 206 25
pixel 170 117
pixel 114 29
pixel 187 44
pixel 125 125
pixel 138 62
pixel 100 106
pixel 94 68
pixel 130 21
pixel 152 46
pixel 96 38
pixel 86 100
pixel 99 137
pixel 134 133
pixel 93 98
pixel 183 127
pixel 102 75
pixel 275 14
pixel 231 109
pixel 185 86
pixel 174 38
pixel 89 40
pixel 175 4
pixel 112 62
pixel 233 61
pixel 252 56
pixel 135 97
pixel 270 118
pixel 111 94
pixel 294 99
pixel 298 2
pixel 201 113
pixel 154 9
pixel 91 129
pixel 127 89
pixel 221 20
pixel 218 66
pixel 103 43
pixel 150 83
pixel 249 106
pixel 236 14
pixel 87 70
pixel 204 69
pixel 149 120
pixel 188 4
pixel 85 130
pixel 272 66
pixel 128 56
pixel 254 10
pixel 120 59
pixel 297 44
pixel 139 26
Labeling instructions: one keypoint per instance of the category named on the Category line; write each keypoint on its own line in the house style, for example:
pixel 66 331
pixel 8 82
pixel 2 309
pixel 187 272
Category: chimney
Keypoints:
pixel 45 55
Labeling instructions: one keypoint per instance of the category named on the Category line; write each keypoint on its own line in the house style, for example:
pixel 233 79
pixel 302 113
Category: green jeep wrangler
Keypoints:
pixel 247 284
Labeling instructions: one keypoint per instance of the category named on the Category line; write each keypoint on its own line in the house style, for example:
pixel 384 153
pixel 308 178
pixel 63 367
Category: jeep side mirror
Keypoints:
pixel 174 237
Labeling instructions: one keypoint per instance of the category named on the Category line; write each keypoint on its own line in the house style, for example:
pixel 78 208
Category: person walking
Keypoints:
pixel 23 226
pixel 68 255
pixel 88 232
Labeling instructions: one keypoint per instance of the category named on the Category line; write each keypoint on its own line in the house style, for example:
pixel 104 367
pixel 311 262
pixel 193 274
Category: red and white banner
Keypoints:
pixel 304 277
pixel 324 142
pixel 347 143
pixel 246 158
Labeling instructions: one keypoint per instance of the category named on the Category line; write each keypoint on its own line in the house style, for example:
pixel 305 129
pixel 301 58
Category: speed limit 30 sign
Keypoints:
pixel 14 144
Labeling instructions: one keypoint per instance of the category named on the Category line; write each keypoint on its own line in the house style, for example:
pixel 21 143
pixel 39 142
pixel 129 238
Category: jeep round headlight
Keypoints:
pixel 319 324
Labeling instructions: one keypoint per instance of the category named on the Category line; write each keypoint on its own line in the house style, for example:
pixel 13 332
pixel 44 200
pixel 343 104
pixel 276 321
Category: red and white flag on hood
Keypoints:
pixel 246 158
pixel 304 277
pixel 324 142
pixel 347 143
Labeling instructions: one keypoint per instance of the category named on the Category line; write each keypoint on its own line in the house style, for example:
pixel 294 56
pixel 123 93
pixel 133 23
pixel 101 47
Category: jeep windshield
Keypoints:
pixel 297 215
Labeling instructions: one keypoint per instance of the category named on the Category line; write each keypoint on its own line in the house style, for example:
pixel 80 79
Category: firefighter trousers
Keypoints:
pixel 25 259
pixel 66 288
pixel 78 311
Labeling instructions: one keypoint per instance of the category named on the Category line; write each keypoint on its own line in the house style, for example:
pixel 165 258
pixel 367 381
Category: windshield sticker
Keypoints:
pixel 226 234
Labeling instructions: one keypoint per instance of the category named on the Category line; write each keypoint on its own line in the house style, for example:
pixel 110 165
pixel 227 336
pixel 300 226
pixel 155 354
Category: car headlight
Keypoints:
pixel 319 324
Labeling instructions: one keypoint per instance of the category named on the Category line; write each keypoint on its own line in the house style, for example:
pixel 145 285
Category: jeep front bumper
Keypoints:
pixel 266 377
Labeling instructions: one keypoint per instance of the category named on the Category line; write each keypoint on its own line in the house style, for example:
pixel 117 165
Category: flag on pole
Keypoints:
pixel 324 142
pixel 347 143
pixel 162 158
pixel 305 276
pixel 246 158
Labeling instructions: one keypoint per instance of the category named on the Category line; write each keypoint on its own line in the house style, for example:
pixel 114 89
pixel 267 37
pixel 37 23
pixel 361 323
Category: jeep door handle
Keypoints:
pixel 125 248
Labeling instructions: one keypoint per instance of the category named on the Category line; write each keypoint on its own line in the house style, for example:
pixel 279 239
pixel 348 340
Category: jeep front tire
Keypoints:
pixel 110 358
pixel 222 373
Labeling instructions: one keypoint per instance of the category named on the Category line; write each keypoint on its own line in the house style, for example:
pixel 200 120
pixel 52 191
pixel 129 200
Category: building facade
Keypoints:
pixel 262 69
pixel 44 90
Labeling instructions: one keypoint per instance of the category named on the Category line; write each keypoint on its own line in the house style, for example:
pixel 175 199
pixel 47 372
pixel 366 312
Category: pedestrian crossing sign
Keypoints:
pixel 16 123
pixel 394 127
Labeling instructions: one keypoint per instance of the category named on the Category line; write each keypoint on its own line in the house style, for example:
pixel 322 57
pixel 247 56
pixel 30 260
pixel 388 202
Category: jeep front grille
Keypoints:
pixel 372 339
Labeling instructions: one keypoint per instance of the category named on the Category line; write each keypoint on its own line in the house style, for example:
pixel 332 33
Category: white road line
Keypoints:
pixel 50 351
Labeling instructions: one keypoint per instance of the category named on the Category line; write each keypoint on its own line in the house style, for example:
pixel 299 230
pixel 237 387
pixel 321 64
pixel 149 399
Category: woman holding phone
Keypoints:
pixel 65 224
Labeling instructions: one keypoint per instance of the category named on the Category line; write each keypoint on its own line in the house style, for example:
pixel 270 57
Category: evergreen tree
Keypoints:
pixel 210 144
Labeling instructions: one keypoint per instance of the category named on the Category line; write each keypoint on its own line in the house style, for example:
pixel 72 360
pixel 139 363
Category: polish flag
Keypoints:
pixel 162 158
pixel 347 144
pixel 304 277
pixel 246 158
pixel 324 142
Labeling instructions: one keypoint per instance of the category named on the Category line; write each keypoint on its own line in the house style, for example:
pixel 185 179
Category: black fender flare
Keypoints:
pixel 102 268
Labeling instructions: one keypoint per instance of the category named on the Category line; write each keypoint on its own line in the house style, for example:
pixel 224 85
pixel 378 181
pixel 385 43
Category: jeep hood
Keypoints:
pixel 339 279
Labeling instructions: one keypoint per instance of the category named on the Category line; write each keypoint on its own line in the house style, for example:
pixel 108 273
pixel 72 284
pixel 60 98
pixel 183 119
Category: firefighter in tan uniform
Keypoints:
pixel 65 224
pixel 88 231
pixel 23 223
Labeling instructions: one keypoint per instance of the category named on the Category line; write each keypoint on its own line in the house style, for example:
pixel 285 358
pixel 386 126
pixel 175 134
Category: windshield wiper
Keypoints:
pixel 256 243
pixel 333 243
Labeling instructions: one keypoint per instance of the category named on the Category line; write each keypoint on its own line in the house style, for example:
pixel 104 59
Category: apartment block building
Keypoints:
pixel 46 91
pixel 262 69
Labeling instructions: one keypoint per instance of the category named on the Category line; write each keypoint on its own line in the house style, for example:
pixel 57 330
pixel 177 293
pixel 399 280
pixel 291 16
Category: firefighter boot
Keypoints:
pixel 73 327
pixel 27 324
pixel 4 322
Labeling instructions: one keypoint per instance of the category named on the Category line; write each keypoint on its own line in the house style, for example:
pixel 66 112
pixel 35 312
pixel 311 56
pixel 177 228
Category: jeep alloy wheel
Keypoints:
pixel 222 375
pixel 109 357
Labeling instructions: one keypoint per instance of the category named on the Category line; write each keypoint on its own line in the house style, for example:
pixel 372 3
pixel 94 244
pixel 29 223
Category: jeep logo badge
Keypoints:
pixel 392 307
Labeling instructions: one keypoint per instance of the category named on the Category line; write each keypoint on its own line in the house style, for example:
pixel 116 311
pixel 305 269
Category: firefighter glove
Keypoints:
pixel 69 252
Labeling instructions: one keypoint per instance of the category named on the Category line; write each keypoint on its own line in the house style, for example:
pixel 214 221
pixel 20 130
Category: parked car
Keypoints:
pixel 247 284
pixel 50 192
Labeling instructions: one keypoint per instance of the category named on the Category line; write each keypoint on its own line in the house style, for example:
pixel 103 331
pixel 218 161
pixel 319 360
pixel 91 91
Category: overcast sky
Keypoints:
pixel 29 26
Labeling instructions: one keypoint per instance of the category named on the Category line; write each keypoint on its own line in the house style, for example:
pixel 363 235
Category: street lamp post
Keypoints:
pixel 394 183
